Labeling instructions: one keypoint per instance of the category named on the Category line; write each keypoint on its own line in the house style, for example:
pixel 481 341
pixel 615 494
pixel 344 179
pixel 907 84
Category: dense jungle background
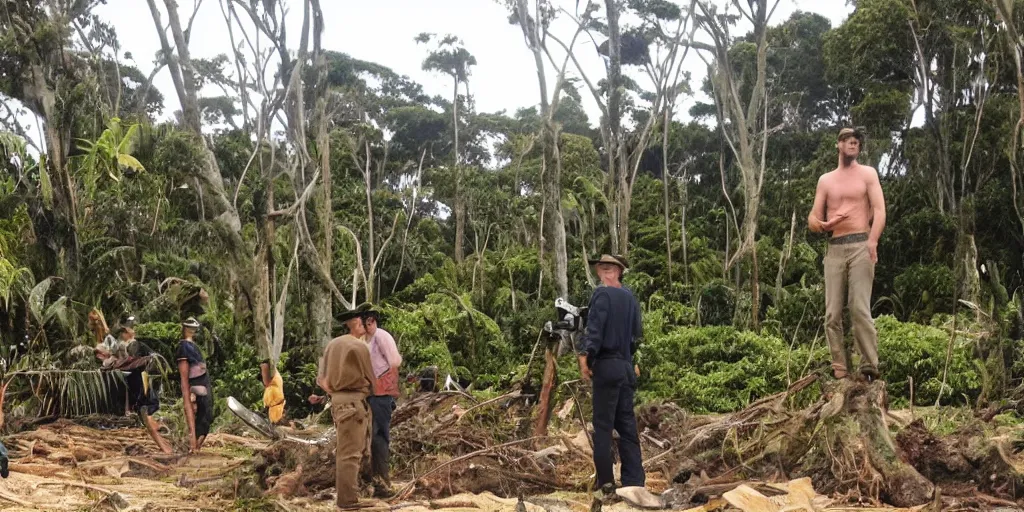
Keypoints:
pixel 313 181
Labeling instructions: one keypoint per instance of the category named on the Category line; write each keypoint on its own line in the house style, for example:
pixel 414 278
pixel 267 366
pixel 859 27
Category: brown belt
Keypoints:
pixel 848 239
pixel 346 396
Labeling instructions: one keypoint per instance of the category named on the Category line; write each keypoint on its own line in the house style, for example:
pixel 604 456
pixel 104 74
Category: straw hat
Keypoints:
pixel 611 260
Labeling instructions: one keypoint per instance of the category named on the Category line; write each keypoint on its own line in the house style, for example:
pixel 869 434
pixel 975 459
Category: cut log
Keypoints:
pixel 540 426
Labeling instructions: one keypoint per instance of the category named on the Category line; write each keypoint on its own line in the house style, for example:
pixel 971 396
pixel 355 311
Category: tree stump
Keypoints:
pixel 849 445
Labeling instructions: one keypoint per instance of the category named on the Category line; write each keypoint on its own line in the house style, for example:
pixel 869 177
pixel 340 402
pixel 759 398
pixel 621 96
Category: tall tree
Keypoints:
pixel 253 269
pixel 534 34
pixel 625 47
pixel 742 120
pixel 453 59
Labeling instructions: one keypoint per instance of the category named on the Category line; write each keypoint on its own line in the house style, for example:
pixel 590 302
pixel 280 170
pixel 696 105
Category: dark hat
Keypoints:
pixel 191 323
pixel 356 312
pixel 848 132
pixel 129 321
pixel 370 312
pixel 620 261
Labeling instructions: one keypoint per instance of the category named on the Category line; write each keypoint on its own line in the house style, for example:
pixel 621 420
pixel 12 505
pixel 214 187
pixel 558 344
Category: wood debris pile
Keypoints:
pixel 789 452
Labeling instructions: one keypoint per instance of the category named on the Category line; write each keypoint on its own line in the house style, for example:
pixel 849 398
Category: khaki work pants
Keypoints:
pixel 351 420
pixel 849 275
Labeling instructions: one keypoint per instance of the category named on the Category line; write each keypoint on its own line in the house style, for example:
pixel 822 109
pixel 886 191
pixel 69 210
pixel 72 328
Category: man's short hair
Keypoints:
pixel 850 131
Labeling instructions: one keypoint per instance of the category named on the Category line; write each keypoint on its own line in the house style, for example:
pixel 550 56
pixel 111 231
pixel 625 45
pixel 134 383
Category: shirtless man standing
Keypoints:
pixel 849 204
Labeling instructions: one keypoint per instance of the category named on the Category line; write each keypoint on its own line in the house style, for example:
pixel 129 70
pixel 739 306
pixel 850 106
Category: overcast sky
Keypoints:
pixel 382 31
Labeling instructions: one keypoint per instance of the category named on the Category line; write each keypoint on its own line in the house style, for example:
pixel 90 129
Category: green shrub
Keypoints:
pixel 923 290
pixel 908 350
pixel 717 369
pixel 716 304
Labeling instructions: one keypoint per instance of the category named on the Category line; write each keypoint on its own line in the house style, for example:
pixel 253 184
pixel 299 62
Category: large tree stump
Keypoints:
pixel 841 441
pixel 849 445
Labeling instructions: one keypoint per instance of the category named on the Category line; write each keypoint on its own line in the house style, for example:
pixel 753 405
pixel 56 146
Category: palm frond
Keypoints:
pixel 70 393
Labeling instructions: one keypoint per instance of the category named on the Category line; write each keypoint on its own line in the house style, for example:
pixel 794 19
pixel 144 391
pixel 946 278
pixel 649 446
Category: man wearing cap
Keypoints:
pixel 385 361
pixel 196 387
pixel 606 358
pixel 849 204
pixel 143 397
pixel 346 374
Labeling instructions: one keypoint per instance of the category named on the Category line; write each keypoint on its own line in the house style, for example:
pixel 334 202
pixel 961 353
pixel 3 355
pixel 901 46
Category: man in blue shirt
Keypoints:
pixel 606 358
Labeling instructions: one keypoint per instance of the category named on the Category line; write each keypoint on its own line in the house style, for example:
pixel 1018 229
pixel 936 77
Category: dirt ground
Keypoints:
pixel 457 453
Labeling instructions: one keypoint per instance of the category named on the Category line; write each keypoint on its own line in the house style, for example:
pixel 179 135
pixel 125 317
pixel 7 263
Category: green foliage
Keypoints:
pixel 908 350
pixel 447 331
pixel 111 154
pixel 716 304
pixel 924 290
pixel 161 333
pixel 717 369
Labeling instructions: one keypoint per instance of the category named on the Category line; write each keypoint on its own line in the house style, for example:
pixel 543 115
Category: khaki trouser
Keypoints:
pixel 351 419
pixel 849 275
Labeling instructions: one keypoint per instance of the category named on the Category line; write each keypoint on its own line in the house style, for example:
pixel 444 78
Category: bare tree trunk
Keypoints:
pixel 625 204
pixel 664 188
pixel 787 251
pixel 368 181
pixel 180 66
pixel 725 262
pixel 755 280
pixel 540 248
pixel 321 306
pixel 409 217
pixel 460 226
pixel 743 123
pixel 616 152
pixel 967 256
pixel 685 236
pixel 551 163
pixel 460 202
pixel 266 268
pixel 611 192
pixel 552 169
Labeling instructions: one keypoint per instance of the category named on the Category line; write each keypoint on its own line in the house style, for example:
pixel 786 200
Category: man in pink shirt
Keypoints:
pixel 385 361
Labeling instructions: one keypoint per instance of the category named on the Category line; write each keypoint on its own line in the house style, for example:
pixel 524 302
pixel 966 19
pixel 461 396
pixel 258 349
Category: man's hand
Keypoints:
pixel 636 369
pixel 192 444
pixel 873 250
pixel 316 399
pixel 831 223
pixel 585 369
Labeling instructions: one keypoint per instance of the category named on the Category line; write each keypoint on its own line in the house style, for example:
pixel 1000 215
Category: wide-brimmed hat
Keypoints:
pixel 190 323
pixel 355 312
pixel 370 311
pixel 611 260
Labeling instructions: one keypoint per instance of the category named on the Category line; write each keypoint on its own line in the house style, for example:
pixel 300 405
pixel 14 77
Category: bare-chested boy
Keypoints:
pixel 849 204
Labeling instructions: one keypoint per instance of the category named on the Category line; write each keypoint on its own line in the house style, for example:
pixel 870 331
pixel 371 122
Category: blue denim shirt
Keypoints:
pixel 614 326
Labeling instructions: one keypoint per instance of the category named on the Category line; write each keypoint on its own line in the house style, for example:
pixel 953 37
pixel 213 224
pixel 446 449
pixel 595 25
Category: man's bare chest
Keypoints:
pixel 845 189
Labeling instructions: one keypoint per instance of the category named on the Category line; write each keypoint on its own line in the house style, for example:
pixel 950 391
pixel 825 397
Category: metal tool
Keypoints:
pixel 262 425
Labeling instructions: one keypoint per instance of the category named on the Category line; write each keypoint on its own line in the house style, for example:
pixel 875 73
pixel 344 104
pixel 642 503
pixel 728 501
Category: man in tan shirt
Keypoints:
pixel 849 204
pixel 346 375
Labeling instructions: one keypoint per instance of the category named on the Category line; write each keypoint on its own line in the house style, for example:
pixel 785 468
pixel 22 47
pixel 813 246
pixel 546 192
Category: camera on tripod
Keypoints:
pixel 571 321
